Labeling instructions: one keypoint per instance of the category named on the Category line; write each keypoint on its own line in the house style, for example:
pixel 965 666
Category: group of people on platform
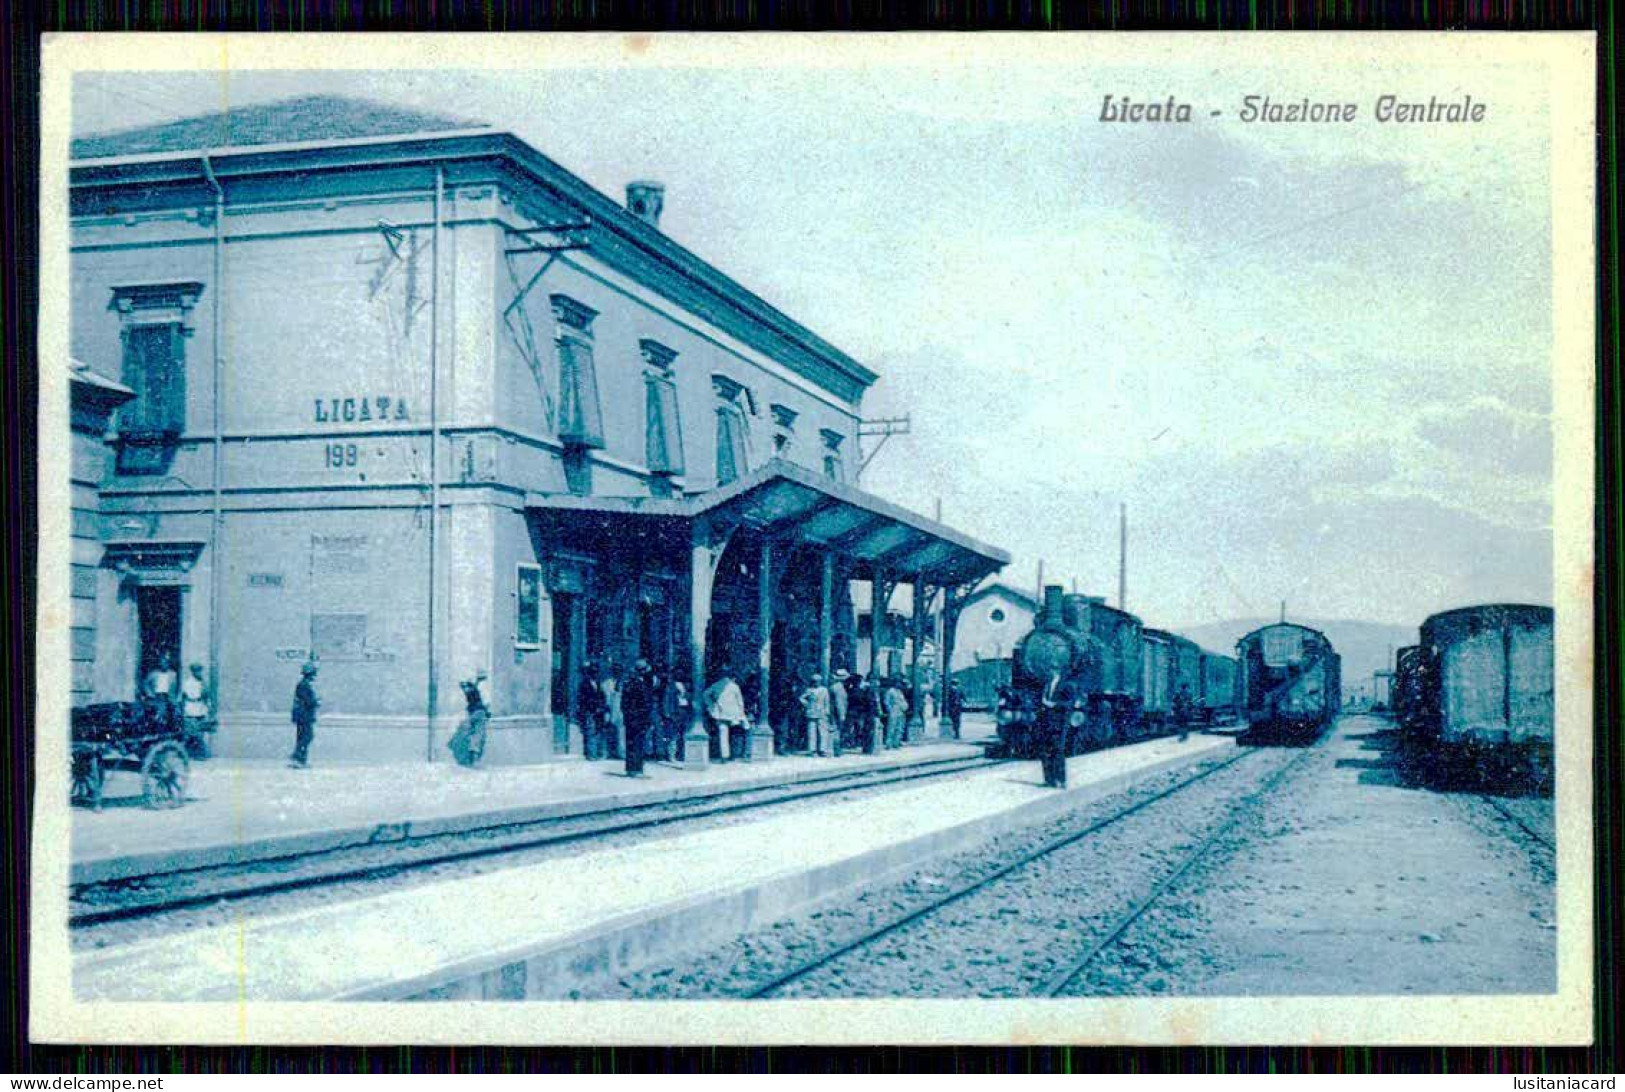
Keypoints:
pixel 646 715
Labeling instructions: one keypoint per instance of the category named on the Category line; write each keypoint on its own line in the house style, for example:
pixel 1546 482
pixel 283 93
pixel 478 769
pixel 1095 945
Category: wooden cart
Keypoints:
pixel 143 737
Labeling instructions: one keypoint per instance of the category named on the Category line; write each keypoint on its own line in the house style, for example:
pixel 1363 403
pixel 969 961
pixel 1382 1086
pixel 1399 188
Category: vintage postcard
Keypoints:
pixel 816 540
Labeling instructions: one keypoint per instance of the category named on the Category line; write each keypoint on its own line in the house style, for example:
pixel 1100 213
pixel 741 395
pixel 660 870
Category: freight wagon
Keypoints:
pixel 1486 683
pixel 1407 693
pixel 1289 682
pixel 1218 699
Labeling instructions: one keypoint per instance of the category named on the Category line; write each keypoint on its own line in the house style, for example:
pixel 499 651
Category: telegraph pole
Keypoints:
pixel 1122 557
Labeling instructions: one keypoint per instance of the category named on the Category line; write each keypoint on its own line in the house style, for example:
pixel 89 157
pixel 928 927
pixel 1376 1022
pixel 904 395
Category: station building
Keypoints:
pixel 398 393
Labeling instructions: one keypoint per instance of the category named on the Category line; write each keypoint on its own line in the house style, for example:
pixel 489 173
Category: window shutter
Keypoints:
pixel 581 421
pixel 730 461
pixel 173 381
pixel 154 367
pixel 664 428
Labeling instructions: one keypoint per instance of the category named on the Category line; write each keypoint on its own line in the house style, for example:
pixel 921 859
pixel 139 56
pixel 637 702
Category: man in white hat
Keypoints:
pixel 837 710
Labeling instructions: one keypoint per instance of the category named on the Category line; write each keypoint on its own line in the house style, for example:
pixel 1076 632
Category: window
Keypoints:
pixel 156 321
pixel 784 422
pixel 663 427
pixel 581 420
pixel 996 616
pixel 833 467
pixel 527 631
pixel 733 430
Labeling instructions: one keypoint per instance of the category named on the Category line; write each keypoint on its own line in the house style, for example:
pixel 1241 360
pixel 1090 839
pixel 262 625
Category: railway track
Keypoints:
pixel 955 894
pixel 1057 984
pixel 157 894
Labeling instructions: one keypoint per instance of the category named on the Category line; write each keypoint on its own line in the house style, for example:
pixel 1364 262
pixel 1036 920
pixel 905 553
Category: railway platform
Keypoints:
pixel 245 811
pixel 531 930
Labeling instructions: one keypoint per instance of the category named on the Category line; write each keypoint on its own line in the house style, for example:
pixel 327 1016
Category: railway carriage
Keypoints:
pixel 1289 682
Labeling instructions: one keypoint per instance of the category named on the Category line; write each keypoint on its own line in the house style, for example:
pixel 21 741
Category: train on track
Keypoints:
pixel 1476 690
pixel 1131 682
pixel 1289 684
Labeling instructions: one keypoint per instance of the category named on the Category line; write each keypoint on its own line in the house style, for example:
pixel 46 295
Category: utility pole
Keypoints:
pixel 1122 557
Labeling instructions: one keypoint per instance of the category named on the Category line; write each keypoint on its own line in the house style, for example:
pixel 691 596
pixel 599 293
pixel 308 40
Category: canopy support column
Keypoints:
pixel 916 712
pixel 761 747
pixel 880 589
pixel 572 673
pixel 826 621
pixel 952 603
pixel 697 743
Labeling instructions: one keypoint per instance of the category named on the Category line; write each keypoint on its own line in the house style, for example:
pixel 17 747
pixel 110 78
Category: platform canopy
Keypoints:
pixel 794 505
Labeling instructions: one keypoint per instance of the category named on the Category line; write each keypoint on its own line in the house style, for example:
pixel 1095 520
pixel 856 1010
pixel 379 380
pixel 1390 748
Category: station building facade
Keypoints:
pixel 405 397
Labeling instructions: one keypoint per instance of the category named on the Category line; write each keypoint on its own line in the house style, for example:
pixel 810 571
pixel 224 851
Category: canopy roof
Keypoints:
pixel 793 504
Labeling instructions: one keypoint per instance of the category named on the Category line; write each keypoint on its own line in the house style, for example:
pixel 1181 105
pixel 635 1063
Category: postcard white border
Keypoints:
pixel 1562 1018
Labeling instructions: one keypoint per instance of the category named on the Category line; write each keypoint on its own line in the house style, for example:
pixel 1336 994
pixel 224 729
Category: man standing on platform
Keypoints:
pixel 675 712
pixel 839 706
pixel 305 703
pixel 1055 729
pixel 896 713
pixel 591 709
pixel 815 704
pixel 637 711
pixel 953 706
pixel 725 705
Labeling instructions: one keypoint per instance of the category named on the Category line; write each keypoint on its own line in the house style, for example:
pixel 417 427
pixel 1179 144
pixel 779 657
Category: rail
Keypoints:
pixel 823 959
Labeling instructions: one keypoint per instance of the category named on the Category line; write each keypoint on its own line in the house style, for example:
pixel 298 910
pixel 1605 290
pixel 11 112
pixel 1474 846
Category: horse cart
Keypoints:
pixel 144 737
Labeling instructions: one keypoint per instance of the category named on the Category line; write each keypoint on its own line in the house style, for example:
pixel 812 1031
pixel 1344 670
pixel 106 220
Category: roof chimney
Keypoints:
pixel 645 200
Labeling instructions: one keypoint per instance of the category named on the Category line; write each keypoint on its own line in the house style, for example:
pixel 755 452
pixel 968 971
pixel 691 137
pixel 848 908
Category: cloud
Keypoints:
pixel 1489 434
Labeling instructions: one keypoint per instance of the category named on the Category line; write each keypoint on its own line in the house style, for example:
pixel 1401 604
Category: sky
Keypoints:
pixel 1314 362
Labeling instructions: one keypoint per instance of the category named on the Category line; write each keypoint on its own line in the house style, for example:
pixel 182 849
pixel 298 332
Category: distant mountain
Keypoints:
pixel 1364 646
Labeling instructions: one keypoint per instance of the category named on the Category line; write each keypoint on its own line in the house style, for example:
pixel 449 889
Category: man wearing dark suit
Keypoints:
pixel 305 703
pixel 638 698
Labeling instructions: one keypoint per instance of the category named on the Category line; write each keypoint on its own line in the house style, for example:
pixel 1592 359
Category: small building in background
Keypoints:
pixel 991 621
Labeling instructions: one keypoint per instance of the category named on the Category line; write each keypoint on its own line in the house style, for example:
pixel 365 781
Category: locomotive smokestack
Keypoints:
pixel 1052 600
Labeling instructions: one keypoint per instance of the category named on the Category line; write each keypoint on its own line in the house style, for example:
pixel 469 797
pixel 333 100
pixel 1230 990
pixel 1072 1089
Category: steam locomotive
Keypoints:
pixel 1130 682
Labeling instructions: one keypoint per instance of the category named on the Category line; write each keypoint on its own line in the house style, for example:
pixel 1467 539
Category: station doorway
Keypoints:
pixel 158 624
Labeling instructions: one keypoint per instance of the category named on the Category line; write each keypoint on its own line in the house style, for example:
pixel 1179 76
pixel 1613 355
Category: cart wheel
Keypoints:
pixel 87 779
pixel 163 775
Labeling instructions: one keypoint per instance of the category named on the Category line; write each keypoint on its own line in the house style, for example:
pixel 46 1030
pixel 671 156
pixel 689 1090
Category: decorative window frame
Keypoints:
pixel 735 399
pixel 659 380
pixel 832 441
pixel 573 327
